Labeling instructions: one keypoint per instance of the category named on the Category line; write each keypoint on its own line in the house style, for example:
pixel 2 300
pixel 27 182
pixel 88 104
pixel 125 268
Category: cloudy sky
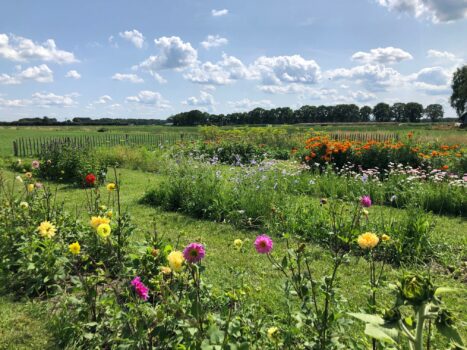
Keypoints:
pixel 154 58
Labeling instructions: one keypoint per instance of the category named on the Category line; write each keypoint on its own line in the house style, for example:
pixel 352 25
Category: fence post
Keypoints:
pixel 15 148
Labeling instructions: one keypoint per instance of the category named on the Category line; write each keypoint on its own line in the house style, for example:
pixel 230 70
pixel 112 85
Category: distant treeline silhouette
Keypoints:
pixel 46 121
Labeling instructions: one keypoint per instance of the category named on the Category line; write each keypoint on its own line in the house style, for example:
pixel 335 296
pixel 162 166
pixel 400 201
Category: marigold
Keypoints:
pixel 47 229
pixel 104 230
pixel 96 221
pixel 176 260
pixel 111 187
pixel 368 240
pixel 74 248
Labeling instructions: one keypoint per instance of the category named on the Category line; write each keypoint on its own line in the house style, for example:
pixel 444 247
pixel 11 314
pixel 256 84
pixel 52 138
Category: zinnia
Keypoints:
pixel 104 230
pixel 194 252
pixel 47 229
pixel 368 240
pixel 74 248
pixel 111 186
pixel 263 244
pixel 141 290
pixel 90 179
pixel 98 220
pixel 365 201
pixel 176 260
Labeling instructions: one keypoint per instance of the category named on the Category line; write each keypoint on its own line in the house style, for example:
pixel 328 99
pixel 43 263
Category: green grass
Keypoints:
pixel 24 324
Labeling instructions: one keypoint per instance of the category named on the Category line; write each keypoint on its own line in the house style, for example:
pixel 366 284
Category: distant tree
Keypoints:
pixel 434 112
pixel 382 112
pixel 397 112
pixel 459 90
pixel 413 112
pixel 365 113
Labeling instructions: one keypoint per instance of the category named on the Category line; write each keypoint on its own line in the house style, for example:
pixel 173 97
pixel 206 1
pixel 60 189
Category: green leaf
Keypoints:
pixel 380 333
pixel 451 333
pixel 373 319
pixel 444 290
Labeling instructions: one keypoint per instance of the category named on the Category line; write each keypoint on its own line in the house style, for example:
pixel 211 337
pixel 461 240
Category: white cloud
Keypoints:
pixel 174 54
pixel 435 10
pixel 246 104
pixel 19 49
pixel 383 55
pixel 13 103
pixel 103 100
pixel 432 89
pixel 40 74
pixel 223 72
pixel 73 74
pixel 149 98
pixel 132 78
pixel 213 41
pixel 204 100
pixel 112 42
pixel 433 75
pixel 50 99
pixel 157 77
pixel 218 13
pixel 133 36
pixel 372 77
pixel 441 54
pixel 286 69
pixel 362 96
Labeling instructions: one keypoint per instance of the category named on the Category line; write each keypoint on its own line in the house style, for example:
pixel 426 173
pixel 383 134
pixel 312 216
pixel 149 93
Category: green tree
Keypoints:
pixel 434 112
pixel 413 112
pixel 459 90
pixel 382 112
pixel 397 112
pixel 365 113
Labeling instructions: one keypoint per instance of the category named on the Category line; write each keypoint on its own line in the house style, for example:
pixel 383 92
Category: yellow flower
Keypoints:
pixel 176 260
pixel 238 243
pixel 273 332
pixel 368 240
pixel 28 175
pixel 103 207
pixel 19 179
pixel 96 221
pixel 385 237
pixel 165 270
pixel 24 205
pixel 109 214
pixel 30 187
pixel 111 186
pixel 104 230
pixel 75 248
pixel 365 212
pixel 47 229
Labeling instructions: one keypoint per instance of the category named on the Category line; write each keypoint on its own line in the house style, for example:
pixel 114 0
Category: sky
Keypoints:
pixel 155 58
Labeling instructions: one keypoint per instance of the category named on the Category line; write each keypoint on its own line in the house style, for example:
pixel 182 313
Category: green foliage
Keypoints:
pixel 459 90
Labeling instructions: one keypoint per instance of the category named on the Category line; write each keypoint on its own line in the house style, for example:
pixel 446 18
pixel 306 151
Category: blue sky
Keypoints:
pixel 151 59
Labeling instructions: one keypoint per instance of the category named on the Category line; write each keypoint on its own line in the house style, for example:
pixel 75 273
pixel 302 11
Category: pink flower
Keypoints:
pixel 194 252
pixel 365 201
pixel 141 290
pixel 36 164
pixel 263 244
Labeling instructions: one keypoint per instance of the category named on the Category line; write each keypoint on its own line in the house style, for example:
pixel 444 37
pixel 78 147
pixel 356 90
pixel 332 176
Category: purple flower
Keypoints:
pixel 194 252
pixel 141 290
pixel 263 244
pixel 36 164
pixel 365 201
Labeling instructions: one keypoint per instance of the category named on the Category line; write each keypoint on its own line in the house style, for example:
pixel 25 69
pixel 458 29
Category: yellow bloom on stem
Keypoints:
pixel 96 221
pixel 28 175
pixel 104 230
pixel 365 212
pixel 165 270
pixel 47 229
pixel 368 240
pixel 109 214
pixel 74 248
pixel 385 237
pixel 111 187
pixel 273 332
pixel 24 205
pixel 238 243
pixel 30 187
pixel 176 260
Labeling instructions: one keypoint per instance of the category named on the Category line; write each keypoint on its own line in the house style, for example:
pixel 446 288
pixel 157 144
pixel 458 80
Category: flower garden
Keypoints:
pixel 238 242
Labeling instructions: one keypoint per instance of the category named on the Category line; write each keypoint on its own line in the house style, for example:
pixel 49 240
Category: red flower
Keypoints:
pixel 90 179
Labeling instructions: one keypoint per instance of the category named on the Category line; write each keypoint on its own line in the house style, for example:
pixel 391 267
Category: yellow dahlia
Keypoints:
pixel 96 221
pixel 238 243
pixel 111 187
pixel 47 229
pixel 104 230
pixel 273 332
pixel 368 240
pixel 176 260
pixel 385 237
pixel 74 248
pixel 30 187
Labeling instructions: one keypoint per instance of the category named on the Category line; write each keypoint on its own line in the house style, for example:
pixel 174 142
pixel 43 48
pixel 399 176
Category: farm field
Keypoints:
pixel 237 185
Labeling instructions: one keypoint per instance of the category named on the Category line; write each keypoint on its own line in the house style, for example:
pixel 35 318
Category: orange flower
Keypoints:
pixel 444 167
pixel 410 134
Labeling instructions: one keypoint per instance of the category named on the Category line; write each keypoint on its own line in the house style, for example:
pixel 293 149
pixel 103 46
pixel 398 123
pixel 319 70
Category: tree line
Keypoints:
pixel 342 113
pixel 46 121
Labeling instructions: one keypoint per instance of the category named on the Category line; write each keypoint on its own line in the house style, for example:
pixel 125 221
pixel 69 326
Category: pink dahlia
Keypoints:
pixel 194 252
pixel 365 201
pixel 141 290
pixel 36 164
pixel 263 244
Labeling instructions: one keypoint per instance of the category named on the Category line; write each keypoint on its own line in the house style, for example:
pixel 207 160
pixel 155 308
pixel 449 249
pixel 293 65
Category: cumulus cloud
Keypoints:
pixel 435 10
pixel 372 77
pixel 223 72
pixel 149 98
pixel 44 99
pixel 40 74
pixel 132 78
pixel 133 36
pixel 174 54
pixel 19 49
pixel 246 104
pixel 286 69
pixel 103 100
pixel 382 55
pixel 205 100
pixel 218 13
pixel 73 74
pixel 13 103
pixel 213 41
pixel 362 96
pixel 433 75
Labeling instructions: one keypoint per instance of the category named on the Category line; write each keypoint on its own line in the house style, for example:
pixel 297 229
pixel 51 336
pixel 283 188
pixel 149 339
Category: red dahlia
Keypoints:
pixel 90 179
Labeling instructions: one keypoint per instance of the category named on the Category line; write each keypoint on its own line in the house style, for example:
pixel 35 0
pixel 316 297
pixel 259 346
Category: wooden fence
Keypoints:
pixel 363 136
pixel 33 146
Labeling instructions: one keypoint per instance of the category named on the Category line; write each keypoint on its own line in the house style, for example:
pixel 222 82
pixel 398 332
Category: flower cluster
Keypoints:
pixel 141 290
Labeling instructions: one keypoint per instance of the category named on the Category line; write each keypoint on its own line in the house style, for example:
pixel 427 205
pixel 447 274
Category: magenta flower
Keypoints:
pixel 365 201
pixel 141 290
pixel 263 244
pixel 36 164
pixel 194 252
